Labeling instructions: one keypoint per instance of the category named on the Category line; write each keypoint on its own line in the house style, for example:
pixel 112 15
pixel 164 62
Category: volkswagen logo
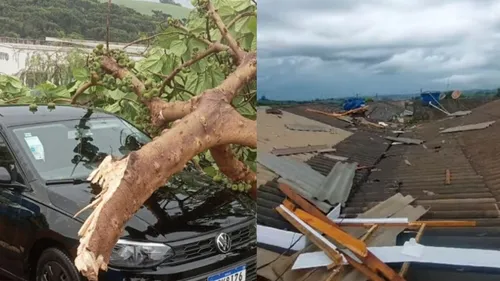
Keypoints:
pixel 223 242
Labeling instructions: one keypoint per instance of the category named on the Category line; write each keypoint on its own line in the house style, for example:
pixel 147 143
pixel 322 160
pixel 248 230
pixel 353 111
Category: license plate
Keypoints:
pixel 235 274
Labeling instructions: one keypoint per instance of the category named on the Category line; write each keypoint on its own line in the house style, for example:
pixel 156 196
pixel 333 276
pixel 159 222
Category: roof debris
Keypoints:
pixel 378 199
pixel 308 128
pixel 405 140
pixel 470 127
pixel 299 150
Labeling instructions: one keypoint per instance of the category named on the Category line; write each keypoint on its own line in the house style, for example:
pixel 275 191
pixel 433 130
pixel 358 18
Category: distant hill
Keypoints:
pixel 83 19
pixel 145 7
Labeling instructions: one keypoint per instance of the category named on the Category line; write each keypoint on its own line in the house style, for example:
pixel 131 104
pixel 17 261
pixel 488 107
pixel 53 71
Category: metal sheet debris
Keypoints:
pixel 478 126
pixel 460 113
pixel 412 251
pixel 405 140
pixel 298 150
pixel 336 157
pixel 308 128
pixel 337 185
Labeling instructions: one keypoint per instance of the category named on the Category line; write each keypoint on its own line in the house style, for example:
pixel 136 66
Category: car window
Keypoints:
pixel 72 149
pixel 7 160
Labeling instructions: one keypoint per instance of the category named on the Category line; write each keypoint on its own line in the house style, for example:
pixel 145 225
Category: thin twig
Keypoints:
pixel 214 48
pixel 238 17
pixel 141 40
pixel 233 44
pixel 80 91
pixel 108 24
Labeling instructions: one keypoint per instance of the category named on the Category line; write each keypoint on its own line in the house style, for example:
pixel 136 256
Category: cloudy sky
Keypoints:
pixel 330 48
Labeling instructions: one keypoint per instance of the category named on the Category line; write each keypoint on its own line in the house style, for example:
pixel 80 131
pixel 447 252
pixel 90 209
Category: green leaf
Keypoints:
pixel 252 24
pixel 240 5
pixel 166 38
pixel 210 170
pixel 26 99
pixel 178 47
pixel 116 94
pixel 60 92
pixel 113 108
pixel 80 74
pixel 152 63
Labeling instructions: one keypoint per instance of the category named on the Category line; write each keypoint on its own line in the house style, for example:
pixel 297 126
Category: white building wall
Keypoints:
pixel 15 56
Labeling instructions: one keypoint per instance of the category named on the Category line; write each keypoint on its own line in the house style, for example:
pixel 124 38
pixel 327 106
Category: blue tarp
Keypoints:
pixel 430 97
pixel 353 103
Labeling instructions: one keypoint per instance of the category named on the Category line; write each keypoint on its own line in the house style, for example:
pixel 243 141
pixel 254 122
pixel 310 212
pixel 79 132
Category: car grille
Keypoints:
pixel 206 247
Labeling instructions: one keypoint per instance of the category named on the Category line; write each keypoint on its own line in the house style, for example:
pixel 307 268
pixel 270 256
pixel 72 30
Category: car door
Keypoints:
pixel 10 252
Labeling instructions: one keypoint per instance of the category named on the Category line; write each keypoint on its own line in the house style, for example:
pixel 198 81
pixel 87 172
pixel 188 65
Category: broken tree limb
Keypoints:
pixel 205 122
pixel 234 168
pixel 129 182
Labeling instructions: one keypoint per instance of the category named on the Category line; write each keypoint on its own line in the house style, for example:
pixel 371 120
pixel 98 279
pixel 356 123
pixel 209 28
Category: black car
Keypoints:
pixel 190 229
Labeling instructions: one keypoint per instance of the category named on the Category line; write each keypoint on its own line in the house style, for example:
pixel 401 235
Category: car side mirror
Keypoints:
pixel 5 176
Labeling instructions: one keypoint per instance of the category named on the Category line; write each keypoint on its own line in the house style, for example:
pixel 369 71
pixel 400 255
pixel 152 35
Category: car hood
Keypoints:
pixel 189 205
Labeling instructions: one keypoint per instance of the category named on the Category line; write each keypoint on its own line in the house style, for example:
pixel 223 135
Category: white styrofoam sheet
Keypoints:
pixel 280 238
pixel 414 252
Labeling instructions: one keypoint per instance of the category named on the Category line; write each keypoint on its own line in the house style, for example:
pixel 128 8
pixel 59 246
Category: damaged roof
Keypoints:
pixel 471 157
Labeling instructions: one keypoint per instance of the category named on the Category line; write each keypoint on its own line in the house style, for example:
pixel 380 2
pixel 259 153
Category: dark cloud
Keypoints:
pixel 413 43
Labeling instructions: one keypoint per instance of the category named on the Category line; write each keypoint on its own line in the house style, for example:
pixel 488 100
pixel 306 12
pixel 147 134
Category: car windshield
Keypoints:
pixel 74 148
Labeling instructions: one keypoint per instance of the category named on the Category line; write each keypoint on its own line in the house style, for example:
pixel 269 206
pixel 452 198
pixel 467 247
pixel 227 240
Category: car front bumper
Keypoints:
pixel 194 271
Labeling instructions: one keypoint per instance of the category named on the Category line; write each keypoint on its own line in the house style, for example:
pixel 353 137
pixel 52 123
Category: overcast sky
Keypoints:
pixel 329 48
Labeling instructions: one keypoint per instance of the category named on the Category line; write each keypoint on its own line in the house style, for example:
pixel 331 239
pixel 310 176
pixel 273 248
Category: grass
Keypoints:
pixel 147 8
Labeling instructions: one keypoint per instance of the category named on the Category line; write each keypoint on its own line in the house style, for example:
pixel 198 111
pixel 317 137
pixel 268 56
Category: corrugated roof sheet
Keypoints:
pixel 470 157
pixel 292 170
pixel 298 150
pixel 309 128
pixel 298 175
pixel 469 127
pixel 337 185
pixel 364 148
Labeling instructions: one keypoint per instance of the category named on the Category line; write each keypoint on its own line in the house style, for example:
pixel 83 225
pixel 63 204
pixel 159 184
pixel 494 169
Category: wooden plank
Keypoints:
pixel 329 228
pixel 414 225
pixel 331 253
pixel 448 177
pixel 300 201
pixel 384 209
pixel 387 236
pixel 357 246
pixel 406 265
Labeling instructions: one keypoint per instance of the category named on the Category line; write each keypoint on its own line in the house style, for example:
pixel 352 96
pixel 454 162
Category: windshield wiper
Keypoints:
pixel 67 181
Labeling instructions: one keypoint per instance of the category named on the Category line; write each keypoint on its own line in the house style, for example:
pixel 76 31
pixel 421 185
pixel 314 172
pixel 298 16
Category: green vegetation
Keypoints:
pixel 176 44
pixel 80 19
pixel 147 8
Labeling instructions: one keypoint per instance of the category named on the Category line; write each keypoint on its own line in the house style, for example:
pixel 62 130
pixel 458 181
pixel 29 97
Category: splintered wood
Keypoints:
pixel 359 271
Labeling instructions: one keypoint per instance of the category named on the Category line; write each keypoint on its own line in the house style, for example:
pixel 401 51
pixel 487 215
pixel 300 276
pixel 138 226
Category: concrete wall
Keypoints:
pixel 14 56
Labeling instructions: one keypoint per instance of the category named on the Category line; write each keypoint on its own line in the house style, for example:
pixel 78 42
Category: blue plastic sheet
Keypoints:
pixel 353 103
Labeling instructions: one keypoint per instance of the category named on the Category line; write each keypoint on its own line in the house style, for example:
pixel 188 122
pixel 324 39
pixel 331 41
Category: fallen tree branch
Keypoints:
pixel 81 90
pixel 205 122
pixel 241 76
pixel 233 44
pixel 129 182
pixel 233 168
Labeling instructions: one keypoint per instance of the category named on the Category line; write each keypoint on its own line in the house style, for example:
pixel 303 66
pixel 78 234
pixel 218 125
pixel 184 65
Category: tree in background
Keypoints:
pixel 195 92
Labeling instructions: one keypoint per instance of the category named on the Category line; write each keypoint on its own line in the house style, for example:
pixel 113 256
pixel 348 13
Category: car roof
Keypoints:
pixel 15 115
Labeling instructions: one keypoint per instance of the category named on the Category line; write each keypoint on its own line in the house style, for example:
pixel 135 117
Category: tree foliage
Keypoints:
pixel 176 44
pixel 76 19
pixel 194 92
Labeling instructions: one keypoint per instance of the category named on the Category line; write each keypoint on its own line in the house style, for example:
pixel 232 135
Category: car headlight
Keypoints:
pixel 139 254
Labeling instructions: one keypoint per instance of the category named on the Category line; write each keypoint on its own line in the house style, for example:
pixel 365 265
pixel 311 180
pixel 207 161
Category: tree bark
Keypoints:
pixel 207 121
